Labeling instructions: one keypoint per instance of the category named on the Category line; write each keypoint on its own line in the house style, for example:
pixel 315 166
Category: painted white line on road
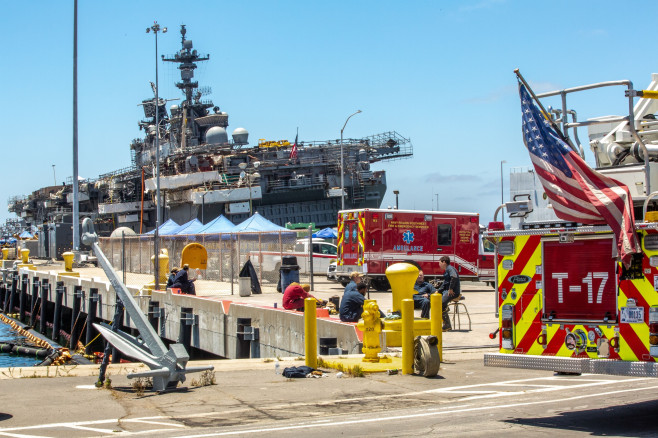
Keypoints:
pixel 418 415
pixel 159 423
pixel 462 389
pixel 18 435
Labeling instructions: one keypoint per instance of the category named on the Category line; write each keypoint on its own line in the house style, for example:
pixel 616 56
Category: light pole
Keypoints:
pixel 437 201
pixel 158 214
pixel 249 176
pixel 396 193
pixel 54 175
pixel 502 191
pixel 342 171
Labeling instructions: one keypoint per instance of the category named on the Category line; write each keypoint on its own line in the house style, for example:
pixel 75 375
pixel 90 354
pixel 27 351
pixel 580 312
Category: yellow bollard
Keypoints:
pixel 5 253
pixel 436 320
pixel 163 261
pixel 402 277
pixel 68 261
pixel 310 333
pixel 25 256
pixel 407 336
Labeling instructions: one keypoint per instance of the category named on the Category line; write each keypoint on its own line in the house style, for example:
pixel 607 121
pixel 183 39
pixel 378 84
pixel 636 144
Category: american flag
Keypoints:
pixel 577 192
pixel 293 151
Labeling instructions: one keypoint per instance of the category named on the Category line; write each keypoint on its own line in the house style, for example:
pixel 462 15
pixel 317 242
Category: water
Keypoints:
pixel 8 334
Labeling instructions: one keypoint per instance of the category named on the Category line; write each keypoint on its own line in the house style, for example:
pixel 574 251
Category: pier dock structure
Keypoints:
pixel 214 323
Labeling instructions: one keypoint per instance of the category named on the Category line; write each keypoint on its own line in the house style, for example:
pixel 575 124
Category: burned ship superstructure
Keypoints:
pixel 203 173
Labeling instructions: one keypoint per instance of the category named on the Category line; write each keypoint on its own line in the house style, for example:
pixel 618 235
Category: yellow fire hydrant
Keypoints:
pixel 163 263
pixel 371 326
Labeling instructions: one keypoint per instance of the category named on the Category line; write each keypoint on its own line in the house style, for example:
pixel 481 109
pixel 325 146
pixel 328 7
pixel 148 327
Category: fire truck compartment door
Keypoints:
pixel 579 280
pixel 350 242
pixel 445 232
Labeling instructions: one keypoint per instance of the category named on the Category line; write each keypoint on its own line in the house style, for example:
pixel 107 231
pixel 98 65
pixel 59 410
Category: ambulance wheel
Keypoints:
pixel 380 284
pixel 344 282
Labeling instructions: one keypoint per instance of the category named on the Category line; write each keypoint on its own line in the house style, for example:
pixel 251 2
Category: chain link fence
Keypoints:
pixel 131 256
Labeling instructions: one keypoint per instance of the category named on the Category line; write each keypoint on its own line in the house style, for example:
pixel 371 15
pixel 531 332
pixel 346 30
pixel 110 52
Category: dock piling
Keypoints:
pixel 57 316
pixel 34 301
pixel 43 320
pixel 92 305
pixel 78 295
pixel 22 299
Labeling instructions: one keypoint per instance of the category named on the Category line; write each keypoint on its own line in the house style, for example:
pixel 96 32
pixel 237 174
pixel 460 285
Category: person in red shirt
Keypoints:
pixel 294 296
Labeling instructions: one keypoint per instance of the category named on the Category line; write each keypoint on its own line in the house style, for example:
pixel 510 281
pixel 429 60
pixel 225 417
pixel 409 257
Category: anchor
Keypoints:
pixel 167 367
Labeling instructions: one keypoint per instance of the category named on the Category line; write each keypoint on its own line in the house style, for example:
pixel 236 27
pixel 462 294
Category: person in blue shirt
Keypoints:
pixel 351 306
pixel 422 296
pixel 450 289
pixel 355 278
pixel 183 282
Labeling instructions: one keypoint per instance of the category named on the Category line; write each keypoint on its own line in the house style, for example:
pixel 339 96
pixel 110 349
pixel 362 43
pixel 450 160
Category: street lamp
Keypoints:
pixel 158 215
pixel 437 201
pixel 396 193
pixel 249 176
pixel 502 191
pixel 342 172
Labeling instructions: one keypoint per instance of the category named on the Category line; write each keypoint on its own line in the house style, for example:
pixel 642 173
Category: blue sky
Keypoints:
pixel 437 72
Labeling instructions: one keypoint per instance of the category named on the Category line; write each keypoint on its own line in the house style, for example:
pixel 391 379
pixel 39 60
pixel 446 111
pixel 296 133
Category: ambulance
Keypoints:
pixel 565 303
pixel 369 240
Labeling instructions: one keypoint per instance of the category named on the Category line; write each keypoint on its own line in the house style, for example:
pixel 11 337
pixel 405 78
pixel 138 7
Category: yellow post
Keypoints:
pixel 436 320
pixel 311 333
pixel 407 336
pixel 25 255
pixel 68 261
pixel 402 277
pixel 5 253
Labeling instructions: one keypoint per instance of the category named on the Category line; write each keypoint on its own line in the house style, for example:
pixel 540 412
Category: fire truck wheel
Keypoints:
pixel 380 284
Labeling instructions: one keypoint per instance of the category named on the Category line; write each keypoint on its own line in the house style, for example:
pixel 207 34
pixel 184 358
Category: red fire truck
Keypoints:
pixel 369 240
pixel 565 303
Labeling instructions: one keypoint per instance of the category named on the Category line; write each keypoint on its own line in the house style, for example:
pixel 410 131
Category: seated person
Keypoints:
pixel 355 278
pixel 422 295
pixel 172 276
pixel 294 296
pixel 182 282
pixel 450 289
pixel 351 306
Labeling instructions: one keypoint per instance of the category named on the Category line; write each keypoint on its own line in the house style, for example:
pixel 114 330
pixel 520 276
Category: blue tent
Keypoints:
pixel 165 228
pixel 327 233
pixel 26 235
pixel 191 227
pixel 257 223
pixel 218 225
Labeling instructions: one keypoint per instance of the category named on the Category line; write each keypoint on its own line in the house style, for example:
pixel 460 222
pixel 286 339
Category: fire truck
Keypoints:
pixel 564 301
pixel 369 240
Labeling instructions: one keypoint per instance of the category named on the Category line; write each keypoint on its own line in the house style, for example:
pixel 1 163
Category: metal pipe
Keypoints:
pixel 76 206
pixel 342 164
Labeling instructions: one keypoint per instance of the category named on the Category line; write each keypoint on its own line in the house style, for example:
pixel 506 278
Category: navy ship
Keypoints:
pixel 204 173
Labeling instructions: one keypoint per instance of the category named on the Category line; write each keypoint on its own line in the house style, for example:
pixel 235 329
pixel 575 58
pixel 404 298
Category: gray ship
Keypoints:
pixel 203 173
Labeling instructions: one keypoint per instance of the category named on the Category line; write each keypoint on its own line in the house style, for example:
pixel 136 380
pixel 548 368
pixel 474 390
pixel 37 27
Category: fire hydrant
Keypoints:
pixel 371 326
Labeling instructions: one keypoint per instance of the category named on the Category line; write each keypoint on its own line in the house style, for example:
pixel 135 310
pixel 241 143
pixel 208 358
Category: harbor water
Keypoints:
pixel 9 335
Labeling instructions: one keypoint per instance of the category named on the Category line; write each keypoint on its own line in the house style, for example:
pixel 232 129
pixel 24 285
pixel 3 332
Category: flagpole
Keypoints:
pixel 543 110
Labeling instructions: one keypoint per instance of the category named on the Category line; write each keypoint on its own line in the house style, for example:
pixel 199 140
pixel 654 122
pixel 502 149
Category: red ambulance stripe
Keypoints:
pixel 530 335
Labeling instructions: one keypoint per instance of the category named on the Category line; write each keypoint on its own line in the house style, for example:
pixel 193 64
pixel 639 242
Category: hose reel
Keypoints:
pixel 426 356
